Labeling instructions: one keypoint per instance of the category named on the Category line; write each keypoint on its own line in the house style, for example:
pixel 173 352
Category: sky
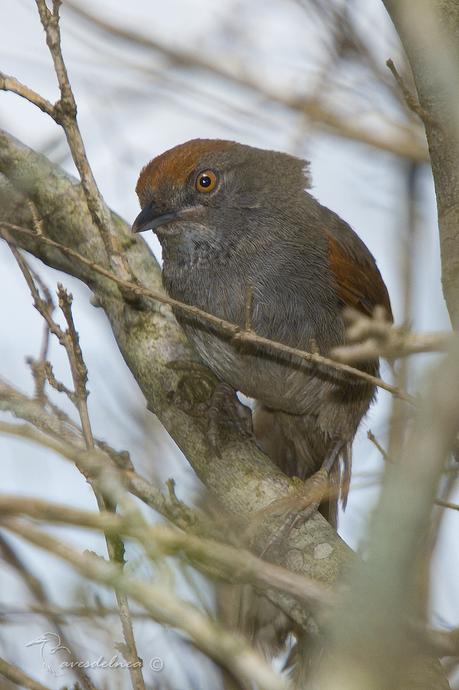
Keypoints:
pixel 131 107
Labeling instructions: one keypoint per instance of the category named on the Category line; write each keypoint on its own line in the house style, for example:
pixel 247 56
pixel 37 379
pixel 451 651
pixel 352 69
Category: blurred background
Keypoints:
pixel 295 75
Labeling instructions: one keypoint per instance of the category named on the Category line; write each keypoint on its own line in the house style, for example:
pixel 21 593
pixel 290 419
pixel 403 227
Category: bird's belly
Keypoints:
pixel 278 383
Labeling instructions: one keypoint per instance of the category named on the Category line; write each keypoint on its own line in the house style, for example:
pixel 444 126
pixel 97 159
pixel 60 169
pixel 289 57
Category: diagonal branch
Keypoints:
pixel 240 335
pixel 17 676
pixel 210 556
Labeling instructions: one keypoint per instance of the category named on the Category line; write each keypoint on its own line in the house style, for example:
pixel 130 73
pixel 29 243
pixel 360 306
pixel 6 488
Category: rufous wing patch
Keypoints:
pixel 358 279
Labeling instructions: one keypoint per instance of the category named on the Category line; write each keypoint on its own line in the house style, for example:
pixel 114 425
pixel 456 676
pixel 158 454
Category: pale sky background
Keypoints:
pixel 127 116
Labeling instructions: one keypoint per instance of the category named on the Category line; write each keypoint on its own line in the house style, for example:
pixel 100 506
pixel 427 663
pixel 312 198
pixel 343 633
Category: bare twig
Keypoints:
pixel 410 99
pixel 368 338
pixel 438 501
pixel 371 437
pixel 249 308
pixel 8 83
pixel 41 368
pixel 64 112
pixel 446 504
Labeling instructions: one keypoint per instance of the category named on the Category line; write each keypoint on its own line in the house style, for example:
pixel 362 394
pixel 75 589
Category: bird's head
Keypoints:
pixel 205 188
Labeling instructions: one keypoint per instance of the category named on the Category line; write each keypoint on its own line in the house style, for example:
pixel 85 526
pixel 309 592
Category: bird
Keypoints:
pixel 234 220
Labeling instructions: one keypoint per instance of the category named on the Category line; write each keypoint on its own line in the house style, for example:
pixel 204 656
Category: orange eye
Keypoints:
pixel 206 181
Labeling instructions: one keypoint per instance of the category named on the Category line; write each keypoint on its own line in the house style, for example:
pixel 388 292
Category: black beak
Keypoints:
pixel 151 218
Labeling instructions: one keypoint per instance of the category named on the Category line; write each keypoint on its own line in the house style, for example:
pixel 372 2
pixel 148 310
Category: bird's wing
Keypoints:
pixel 358 279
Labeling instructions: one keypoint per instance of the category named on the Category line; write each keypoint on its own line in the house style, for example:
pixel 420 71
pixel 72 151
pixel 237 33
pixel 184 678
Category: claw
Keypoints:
pixel 294 511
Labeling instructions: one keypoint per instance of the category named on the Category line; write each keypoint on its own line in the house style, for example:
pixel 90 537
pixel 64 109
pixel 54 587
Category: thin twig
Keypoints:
pixel 64 112
pixel 371 337
pixel 371 437
pixel 249 308
pixel 438 501
pixel 8 83
pixel 410 99
pixel 446 504
pixel 39 367
pixel 231 329
pixel 70 341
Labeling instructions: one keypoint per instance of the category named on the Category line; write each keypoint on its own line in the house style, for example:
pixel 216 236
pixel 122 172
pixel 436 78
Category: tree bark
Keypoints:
pixel 429 31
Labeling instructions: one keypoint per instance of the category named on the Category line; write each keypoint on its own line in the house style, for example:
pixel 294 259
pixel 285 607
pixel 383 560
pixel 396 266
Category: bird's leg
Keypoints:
pixel 225 409
pixel 298 509
pixel 318 485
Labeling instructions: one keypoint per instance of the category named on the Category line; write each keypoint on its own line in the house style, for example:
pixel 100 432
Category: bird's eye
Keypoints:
pixel 206 181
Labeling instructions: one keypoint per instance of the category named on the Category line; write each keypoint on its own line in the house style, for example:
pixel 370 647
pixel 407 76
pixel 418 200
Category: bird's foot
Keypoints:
pixel 226 410
pixel 293 511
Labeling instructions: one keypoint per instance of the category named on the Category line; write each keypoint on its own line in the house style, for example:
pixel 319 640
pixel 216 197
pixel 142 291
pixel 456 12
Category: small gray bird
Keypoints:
pixel 233 219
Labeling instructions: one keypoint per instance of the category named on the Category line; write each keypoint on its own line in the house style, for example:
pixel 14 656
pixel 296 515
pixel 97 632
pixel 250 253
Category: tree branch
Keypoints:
pixel 428 30
pixel 210 556
pixel 8 83
pixel 237 334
